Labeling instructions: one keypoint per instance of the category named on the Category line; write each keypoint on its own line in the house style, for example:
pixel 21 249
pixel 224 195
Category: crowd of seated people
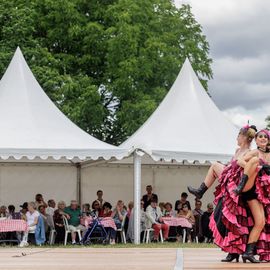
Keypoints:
pixel 51 216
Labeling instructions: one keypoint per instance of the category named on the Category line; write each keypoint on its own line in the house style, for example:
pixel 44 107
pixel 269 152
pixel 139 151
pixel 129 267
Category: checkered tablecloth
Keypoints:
pixel 13 225
pixel 179 221
pixel 106 222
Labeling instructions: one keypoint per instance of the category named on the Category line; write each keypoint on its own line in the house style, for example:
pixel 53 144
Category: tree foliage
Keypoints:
pixel 106 64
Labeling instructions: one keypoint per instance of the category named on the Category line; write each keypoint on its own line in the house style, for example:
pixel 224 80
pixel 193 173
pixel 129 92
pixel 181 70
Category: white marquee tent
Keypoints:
pixel 187 126
pixel 33 129
pixel 32 126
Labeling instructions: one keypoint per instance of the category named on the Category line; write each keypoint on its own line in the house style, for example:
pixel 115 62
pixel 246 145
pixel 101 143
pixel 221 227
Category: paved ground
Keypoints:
pixel 117 259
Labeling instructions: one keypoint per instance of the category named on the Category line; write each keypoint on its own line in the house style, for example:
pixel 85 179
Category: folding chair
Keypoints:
pixel 122 231
pixel 67 231
pixel 52 230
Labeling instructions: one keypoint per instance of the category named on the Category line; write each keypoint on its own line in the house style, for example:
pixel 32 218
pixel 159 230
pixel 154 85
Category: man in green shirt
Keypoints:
pixel 73 216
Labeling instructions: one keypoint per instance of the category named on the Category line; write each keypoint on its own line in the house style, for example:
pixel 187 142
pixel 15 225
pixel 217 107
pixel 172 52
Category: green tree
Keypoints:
pixel 148 42
pixel 106 64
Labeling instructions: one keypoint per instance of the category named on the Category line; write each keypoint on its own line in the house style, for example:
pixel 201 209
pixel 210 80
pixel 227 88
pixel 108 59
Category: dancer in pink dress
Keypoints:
pixel 254 189
pixel 231 216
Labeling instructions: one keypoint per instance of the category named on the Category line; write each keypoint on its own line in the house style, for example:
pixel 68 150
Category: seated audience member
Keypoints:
pixel 162 207
pixel 179 209
pixel 59 222
pixel 3 211
pixel 86 209
pixel 40 201
pixel 130 230
pixel 32 216
pixel 51 207
pixel 187 214
pixel 100 197
pixel 24 210
pixel 12 214
pixel 182 200
pixel 197 210
pixel 118 214
pixel 105 213
pixel 106 210
pixel 207 233
pixel 44 215
pixel 169 212
pixel 96 208
pixel 149 196
pixel 197 213
pixel 154 220
pixel 130 207
pixel 73 216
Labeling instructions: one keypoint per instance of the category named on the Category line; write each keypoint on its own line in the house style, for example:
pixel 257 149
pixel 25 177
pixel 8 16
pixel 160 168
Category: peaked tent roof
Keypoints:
pixel 187 125
pixel 32 126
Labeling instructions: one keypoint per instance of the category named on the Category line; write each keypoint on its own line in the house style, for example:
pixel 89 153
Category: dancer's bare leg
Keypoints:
pixel 213 173
pixel 251 171
pixel 259 220
pixel 248 178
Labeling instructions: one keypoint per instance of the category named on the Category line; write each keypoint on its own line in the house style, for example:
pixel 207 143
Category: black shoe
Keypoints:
pixel 230 257
pixel 241 185
pixel 198 192
pixel 155 241
pixel 249 254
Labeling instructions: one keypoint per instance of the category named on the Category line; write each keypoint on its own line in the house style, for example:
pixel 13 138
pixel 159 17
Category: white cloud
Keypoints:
pixel 239 36
pixel 240 116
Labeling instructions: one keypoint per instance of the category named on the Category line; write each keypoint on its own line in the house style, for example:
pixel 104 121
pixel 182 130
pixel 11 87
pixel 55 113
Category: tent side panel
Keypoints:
pixel 116 181
pixel 20 183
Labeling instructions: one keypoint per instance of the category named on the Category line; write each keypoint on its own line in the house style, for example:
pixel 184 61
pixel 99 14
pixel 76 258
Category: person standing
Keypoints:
pixel 149 196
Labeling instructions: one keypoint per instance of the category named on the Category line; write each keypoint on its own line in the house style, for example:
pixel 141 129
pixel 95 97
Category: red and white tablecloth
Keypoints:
pixel 13 225
pixel 106 222
pixel 177 221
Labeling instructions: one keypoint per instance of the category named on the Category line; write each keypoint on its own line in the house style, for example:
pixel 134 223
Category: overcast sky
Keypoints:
pixel 238 32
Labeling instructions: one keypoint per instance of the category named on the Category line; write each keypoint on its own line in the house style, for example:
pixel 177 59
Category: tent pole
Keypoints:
pixel 79 183
pixel 137 197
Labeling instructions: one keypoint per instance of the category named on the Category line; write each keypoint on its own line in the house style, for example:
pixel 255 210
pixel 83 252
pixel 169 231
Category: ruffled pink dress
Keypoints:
pixel 231 220
pixel 262 184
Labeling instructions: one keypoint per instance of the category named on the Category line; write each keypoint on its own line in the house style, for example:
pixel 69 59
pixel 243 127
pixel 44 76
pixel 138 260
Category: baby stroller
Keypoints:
pixel 96 233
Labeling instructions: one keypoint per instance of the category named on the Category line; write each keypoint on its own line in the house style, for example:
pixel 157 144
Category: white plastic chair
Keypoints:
pixel 122 230
pixel 146 235
pixel 67 231
pixel 184 235
pixel 52 230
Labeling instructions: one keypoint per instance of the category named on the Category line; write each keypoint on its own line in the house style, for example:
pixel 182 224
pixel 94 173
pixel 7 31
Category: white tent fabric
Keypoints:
pixel 187 125
pixel 32 126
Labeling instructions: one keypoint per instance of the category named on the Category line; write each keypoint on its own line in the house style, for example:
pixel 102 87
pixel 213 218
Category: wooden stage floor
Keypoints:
pixel 117 259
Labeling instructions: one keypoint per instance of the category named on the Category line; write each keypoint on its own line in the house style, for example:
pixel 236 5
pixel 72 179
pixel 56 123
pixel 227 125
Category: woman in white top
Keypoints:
pixel 32 221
